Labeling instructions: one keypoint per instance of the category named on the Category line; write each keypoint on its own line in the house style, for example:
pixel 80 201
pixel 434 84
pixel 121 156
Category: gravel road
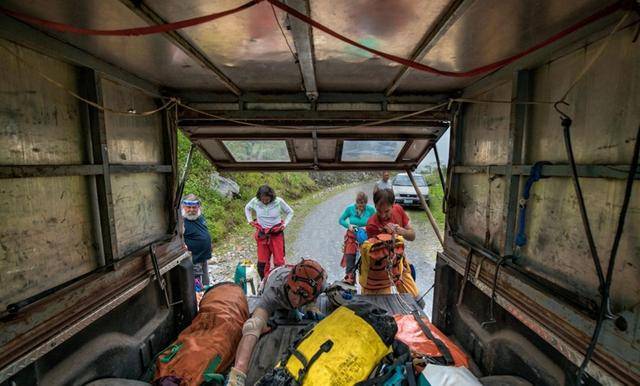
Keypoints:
pixel 320 237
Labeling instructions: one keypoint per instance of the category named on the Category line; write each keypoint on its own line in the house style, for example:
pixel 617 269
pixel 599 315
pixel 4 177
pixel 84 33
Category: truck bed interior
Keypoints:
pixel 95 279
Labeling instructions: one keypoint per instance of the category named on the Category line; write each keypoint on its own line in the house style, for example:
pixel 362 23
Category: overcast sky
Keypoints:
pixel 443 151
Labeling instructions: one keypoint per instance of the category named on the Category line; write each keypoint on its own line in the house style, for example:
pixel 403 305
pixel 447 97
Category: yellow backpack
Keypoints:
pixel 342 349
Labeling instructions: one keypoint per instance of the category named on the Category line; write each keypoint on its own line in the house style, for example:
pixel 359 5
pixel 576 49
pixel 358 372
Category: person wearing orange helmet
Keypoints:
pixel 286 288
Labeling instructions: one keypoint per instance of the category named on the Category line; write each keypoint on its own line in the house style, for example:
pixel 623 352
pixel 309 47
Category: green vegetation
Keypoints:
pixel 436 196
pixel 224 215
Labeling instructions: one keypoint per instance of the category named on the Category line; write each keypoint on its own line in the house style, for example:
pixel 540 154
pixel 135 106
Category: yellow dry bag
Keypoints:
pixel 342 349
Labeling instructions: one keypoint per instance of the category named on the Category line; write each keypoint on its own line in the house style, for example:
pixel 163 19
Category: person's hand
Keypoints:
pixel 236 377
pixel 314 315
pixel 391 228
pixel 351 228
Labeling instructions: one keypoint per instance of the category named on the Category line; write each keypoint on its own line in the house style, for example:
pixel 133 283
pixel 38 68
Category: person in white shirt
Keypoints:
pixel 269 226
pixel 384 183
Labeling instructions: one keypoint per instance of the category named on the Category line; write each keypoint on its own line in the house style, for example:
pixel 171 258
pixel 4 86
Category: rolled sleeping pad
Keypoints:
pixel 206 349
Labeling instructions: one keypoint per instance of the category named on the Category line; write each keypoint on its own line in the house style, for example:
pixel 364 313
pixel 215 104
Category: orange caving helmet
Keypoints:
pixel 307 279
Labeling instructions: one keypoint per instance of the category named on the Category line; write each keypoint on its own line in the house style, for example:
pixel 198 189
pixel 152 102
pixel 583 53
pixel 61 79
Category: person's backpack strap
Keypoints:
pixel 444 350
pixel 391 370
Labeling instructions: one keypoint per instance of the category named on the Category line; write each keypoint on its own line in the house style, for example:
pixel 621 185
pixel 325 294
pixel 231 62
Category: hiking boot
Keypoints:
pixel 350 278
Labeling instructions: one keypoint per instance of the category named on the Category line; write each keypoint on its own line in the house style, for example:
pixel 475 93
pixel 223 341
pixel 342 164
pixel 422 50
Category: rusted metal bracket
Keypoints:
pixel 465 279
pixel 159 279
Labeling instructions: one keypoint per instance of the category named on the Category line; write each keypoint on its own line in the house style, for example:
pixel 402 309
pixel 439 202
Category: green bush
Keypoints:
pixel 436 196
pixel 224 215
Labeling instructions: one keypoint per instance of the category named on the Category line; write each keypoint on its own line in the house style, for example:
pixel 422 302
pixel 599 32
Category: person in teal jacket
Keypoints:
pixel 354 216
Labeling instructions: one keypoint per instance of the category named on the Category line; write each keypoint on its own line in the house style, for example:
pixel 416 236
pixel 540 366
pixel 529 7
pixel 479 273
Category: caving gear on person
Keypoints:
pixel 268 215
pixel 376 224
pixel 307 279
pixel 288 288
pixel 351 216
pixel 342 349
pixel 205 349
pixel 269 226
pixel 353 219
pixel 304 282
pixel 341 293
pixel 361 235
pixel 270 242
pixel 350 259
pixel 383 266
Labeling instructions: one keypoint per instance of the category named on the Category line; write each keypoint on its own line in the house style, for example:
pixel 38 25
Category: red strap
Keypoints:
pixel 154 29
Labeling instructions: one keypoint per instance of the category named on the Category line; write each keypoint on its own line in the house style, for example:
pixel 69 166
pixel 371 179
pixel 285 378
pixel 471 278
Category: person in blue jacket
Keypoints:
pixel 197 237
pixel 354 216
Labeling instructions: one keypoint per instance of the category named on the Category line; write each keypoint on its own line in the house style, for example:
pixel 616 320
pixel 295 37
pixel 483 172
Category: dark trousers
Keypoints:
pixel 201 271
pixel 351 262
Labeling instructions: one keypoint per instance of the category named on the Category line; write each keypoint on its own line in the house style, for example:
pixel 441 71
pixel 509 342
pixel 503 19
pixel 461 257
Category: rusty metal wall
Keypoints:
pixel 484 142
pixel 476 200
pixel 605 105
pixel 605 108
pixel 485 137
pixel 557 247
pixel 45 223
pixel 140 209
pixel 131 140
pixel 39 123
pixel 139 200
pixel 45 234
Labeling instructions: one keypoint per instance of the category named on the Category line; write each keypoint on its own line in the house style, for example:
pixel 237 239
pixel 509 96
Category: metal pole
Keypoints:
pixel 432 220
pixel 185 175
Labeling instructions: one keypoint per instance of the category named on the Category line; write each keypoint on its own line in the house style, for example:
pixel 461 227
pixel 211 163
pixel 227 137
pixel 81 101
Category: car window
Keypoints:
pixel 403 180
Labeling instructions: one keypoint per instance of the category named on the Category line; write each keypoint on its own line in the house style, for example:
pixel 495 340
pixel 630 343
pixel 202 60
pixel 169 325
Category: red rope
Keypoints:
pixel 474 72
pixel 154 29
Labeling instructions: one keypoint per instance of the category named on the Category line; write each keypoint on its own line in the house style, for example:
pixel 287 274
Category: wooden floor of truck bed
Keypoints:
pixel 272 345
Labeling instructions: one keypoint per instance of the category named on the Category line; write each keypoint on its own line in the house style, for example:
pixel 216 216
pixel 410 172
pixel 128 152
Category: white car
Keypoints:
pixel 404 191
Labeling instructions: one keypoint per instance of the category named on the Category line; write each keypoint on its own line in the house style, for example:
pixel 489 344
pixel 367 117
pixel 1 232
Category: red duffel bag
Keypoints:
pixel 428 341
pixel 206 349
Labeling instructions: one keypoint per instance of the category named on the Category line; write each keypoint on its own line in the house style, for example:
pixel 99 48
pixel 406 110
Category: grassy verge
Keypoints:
pixel 436 196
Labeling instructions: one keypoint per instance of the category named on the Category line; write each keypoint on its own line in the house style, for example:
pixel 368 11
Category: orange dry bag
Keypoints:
pixel 206 349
